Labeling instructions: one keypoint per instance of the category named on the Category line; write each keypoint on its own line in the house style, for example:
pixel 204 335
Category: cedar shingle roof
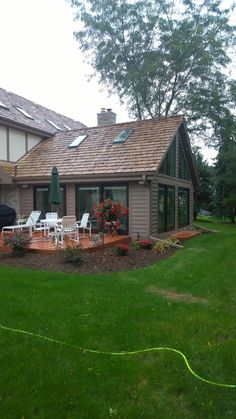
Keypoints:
pixel 11 115
pixel 7 172
pixel 141 152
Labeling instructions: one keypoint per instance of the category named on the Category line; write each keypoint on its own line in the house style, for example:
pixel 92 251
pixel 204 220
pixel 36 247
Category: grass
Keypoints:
pixel 123 312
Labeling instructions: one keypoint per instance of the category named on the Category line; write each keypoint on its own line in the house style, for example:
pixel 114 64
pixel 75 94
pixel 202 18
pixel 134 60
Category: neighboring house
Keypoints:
pixel 148 165
pixel 23 124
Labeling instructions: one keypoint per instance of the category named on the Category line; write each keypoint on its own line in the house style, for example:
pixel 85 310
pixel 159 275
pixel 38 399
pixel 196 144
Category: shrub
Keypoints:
pixel 17 242
pixel 145 244
pixel 70 254
pixel 173 240
pixel 135 244
pixel 160 247
pixel 121 249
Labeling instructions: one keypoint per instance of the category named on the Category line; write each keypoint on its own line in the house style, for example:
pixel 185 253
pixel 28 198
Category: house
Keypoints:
pixel 148 165
pixel 23 124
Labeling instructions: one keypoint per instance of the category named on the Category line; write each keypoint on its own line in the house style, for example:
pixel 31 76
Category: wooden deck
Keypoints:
pixel 40 244
pixel 186 234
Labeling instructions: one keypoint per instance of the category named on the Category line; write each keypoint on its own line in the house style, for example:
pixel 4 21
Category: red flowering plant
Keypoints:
pixel 109 212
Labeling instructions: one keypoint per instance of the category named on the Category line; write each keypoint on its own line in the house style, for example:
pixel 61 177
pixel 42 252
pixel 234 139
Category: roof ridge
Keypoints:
pixel 32 102
pixel 144 121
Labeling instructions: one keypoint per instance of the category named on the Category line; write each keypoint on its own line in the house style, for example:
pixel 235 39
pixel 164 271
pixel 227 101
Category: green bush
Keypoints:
pixel 173 240
pixel 17 242
pixel 135 244
pixel 160 247
pixel 121 249
pixel 71 254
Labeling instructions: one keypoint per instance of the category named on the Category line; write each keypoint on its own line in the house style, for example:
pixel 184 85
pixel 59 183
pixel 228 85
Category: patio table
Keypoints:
pixel 47 223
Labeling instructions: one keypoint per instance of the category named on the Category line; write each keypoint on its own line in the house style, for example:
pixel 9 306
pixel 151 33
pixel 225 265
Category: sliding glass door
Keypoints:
pixel 87 196
pixel 41 200
pixel 166 208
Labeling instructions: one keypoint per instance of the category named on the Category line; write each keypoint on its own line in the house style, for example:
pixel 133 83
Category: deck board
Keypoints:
pixel 41 245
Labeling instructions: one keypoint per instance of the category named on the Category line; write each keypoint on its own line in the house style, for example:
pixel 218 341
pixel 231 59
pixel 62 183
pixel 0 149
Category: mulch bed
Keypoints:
pixel 95 262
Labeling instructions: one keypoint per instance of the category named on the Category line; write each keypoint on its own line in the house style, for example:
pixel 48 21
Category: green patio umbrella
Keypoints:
pixel 54 193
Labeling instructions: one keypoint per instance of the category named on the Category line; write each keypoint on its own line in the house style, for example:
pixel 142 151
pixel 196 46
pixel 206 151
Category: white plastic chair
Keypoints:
pixel 85 224
pixel 51 218
pixel 30 223
pixel 67 227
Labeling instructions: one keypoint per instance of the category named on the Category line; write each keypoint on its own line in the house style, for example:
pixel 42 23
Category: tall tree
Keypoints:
pixel 225 168
pixel 205 192
pixel 160 56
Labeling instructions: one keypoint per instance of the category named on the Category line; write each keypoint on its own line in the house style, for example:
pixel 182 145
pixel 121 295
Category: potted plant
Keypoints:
pixel 18 243
pixel 109 213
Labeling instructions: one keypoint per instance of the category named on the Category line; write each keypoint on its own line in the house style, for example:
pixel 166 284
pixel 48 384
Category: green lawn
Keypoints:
pixel 123 312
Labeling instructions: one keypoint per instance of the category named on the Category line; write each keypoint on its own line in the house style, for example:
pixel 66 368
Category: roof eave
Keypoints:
pixel 33 130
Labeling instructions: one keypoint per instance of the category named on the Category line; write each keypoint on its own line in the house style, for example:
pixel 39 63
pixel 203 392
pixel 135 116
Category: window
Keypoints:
pixel 166 208
pixel 122 136
pixel 3 106
pixel 183 207
pixel 183 166
pixel 23 112
pixel 86 196
pixel 168 165
pixel 67 127
pixel 77 141
pixel 53 124
pixel 41 200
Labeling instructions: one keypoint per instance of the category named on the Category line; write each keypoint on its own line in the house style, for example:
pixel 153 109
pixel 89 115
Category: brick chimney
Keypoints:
pixel 106 117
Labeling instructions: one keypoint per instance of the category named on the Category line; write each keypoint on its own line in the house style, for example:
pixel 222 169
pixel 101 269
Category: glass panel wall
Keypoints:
pixel 183 207
pixel 168 165
pixel 183 166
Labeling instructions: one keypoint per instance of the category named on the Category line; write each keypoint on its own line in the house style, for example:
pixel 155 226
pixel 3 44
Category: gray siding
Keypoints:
pixel 154 206
pixel 26 200
pixel 139 210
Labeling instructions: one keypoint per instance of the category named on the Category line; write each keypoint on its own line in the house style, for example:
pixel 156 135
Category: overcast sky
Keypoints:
pixel 41 61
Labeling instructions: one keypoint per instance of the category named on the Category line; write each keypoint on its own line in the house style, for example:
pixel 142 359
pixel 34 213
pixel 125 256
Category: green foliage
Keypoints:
pixel 160 57
pixel 121 249
pixel 173 240
pixel 205 191
pixel 17 242
pixel 135 244
pixel 70 254
pixel 160 247
pixel 123 312
pixel 225 180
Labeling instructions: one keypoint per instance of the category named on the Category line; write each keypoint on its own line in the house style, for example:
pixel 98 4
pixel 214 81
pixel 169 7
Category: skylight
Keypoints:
pixel 123 135
pixel 66 126
pixel 53 124
pixel 21 110
pixel 3 106
pixel 77 141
